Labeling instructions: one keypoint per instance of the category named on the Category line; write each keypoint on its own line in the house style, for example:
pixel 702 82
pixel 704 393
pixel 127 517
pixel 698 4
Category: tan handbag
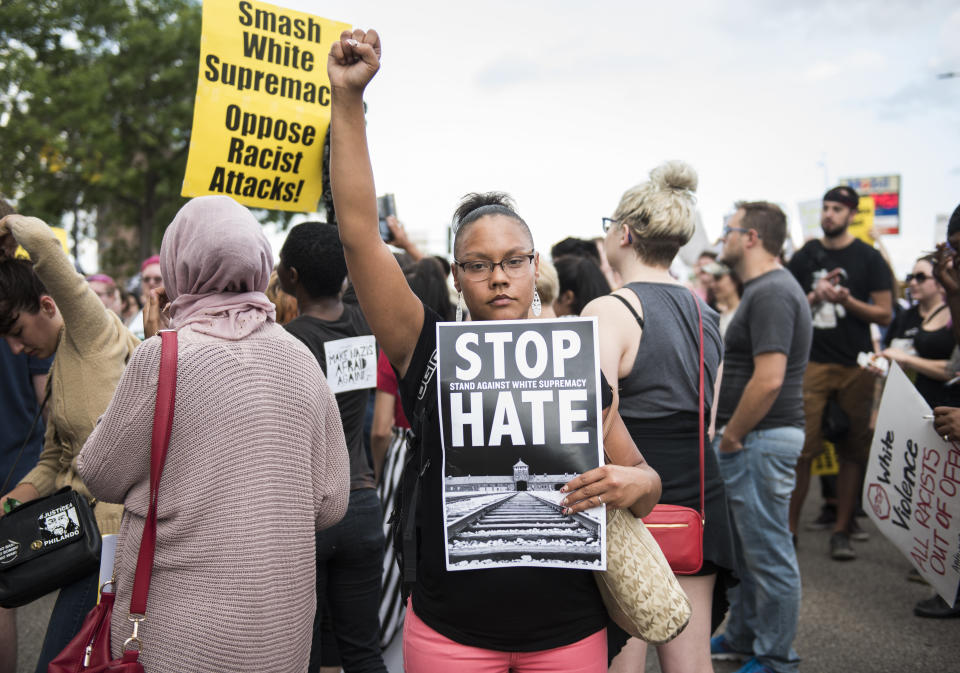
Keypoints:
pixel 639 590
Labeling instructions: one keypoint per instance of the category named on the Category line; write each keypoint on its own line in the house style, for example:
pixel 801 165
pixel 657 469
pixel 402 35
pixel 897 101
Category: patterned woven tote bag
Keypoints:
pixel 638 587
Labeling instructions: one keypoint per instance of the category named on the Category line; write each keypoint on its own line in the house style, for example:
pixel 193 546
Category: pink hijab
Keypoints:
pixel 216 264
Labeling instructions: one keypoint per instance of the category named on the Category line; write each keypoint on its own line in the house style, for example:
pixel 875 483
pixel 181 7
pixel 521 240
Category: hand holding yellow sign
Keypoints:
pixel 262 106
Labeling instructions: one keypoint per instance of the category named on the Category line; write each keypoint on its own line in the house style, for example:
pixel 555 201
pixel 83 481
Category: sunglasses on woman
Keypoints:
pixel 920 277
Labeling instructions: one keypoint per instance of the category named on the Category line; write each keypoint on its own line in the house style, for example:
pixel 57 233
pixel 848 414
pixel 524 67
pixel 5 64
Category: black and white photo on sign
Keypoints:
pixel 520 417
pixel 351 363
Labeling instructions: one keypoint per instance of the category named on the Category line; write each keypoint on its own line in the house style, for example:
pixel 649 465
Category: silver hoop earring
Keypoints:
pixel 536 307
pixel 459 307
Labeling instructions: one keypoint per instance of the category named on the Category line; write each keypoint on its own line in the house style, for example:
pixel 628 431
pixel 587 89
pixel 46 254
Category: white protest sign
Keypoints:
pixel 351 363
pixel 810 218
pixel 519 408
pixel 912 485
pixel 108 552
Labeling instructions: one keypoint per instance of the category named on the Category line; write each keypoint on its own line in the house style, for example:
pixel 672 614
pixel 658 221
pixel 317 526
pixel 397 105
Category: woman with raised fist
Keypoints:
pixel 500 619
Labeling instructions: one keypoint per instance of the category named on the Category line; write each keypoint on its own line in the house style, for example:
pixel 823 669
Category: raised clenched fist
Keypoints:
pixel 353 60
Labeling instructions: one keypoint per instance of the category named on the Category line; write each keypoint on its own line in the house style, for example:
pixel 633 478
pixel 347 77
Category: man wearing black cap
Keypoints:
pixel 848 286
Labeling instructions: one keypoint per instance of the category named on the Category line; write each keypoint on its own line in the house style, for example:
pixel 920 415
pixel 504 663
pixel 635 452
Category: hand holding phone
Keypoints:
pixel 386 207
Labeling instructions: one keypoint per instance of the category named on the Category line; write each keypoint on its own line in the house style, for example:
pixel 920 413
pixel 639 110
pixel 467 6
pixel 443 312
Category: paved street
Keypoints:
pixel 856 616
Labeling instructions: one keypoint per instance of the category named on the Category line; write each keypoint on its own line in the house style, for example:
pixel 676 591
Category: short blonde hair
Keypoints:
pixel 661 212
pixel 548 284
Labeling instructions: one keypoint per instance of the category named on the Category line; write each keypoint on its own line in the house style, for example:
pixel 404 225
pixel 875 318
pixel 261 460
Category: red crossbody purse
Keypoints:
pixel 677 529
pixel 89 651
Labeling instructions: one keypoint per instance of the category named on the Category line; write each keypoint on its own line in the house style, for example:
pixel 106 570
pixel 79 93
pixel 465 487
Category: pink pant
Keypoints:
pixel 426 651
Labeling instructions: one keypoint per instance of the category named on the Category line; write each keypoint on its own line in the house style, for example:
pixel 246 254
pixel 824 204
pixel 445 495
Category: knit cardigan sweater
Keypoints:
pixel 94 348
pixel 256 464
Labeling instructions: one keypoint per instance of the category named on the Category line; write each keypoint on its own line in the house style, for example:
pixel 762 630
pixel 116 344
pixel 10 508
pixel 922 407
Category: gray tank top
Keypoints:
pixel 664 379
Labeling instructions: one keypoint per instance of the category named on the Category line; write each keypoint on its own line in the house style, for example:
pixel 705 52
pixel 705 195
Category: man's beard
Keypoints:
pixel 835 232
pixel 730 260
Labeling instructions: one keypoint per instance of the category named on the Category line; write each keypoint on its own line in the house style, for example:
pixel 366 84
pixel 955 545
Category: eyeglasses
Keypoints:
pixel 608 223
pixel 742 230
pixel 920 277
pixel 152 279
pixel 479 269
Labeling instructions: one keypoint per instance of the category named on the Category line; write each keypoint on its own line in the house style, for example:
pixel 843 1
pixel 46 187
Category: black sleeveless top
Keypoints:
pixel 665 376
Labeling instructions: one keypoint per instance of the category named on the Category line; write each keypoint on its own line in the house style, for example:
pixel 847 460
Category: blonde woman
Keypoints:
pixel 548 287
pixel 649 342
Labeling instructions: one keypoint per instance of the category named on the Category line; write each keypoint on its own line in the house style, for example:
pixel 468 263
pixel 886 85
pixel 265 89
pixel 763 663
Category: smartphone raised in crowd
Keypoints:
pixel 386 206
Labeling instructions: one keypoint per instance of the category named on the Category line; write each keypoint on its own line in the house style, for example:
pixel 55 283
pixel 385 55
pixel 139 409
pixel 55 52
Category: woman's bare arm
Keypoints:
pixel 382 429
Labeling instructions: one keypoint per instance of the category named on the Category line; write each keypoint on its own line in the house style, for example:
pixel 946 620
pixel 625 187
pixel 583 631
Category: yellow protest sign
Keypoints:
pixel 61 235
pixel 862 223
pixel 826 462
pixel 262 106
pixel 884 191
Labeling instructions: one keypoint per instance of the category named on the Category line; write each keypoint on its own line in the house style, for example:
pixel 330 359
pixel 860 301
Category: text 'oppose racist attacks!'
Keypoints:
pixel 262 105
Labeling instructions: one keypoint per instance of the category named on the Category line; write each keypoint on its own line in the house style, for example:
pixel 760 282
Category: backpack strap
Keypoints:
pixel 409 494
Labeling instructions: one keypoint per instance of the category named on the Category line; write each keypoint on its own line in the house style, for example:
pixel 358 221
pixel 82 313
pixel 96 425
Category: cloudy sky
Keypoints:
pixel 566 105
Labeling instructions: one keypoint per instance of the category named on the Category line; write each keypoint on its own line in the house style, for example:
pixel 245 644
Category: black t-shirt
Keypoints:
pixel 838 335
pixel 18 406
pixel 507 609
pixel 905 325
pixel 932 345
pixel 773 317
pixel 314 332
pixel 936 345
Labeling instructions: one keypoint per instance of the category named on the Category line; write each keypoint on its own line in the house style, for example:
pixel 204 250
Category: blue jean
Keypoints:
pixel 765 606
pixel 349 564
pixel 73 604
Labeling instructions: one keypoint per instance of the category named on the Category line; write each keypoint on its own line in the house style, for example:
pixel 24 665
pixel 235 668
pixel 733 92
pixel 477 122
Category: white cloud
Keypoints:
pixel 948 51
pixel 821 71
pixel 866 58
pixel 856 63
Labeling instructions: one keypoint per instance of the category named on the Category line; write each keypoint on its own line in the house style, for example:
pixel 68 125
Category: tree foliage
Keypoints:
pixel 96 105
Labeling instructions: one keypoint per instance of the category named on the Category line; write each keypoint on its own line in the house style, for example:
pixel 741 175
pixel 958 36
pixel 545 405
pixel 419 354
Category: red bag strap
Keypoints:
pixel 696 301
pixel 162 424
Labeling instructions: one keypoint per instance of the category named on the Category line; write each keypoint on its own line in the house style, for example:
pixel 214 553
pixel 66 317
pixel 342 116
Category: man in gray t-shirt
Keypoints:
pixel 759 439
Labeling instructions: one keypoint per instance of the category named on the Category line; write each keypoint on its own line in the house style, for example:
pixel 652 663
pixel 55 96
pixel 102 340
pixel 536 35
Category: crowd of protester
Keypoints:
pixel 277 488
